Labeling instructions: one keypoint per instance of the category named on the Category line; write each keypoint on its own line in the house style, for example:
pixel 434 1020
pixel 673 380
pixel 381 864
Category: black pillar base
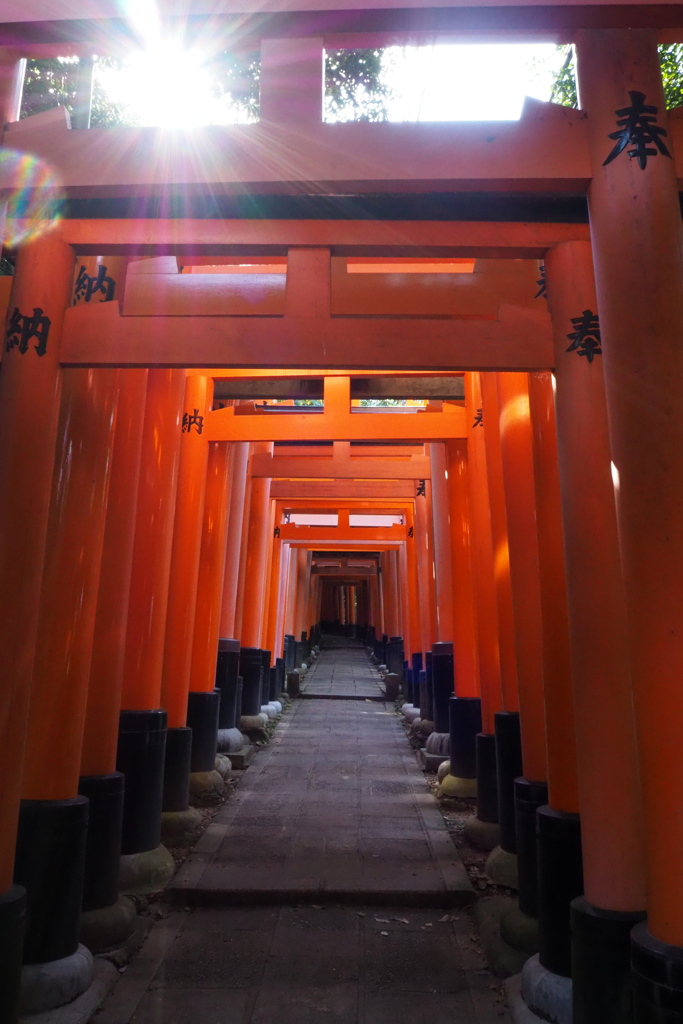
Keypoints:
pixel 265 677
pixel 177 769
pixel 464 722
pixel 657 979
pixel 508 768
pixel 428 711
pixel 12 923
pixel 274 690
pixel 103 845
pixel 49 864
pixel 227 672
pixel 202 718
pixel 560 880
pixel 280 669
pixel 601 963
pixel 140 757
pixel 251 665
pixel 442 684
pixel 529 796
pixel 487 783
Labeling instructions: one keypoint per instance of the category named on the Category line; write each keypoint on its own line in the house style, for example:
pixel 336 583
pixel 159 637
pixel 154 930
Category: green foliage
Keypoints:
pixel 236 77
pixel 48 84
pixel 671 62
pixel 52 83
pixel 353 90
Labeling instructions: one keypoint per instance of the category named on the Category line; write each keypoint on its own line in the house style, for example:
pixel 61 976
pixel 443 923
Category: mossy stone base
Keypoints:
pixel 223 765
pixel 501 867
pixel 108 927
pixel 443 770
pixel 484 834
pixel 206 789
pixel 519 930
pixel 143 873
pixel 175 824
pixel 458 789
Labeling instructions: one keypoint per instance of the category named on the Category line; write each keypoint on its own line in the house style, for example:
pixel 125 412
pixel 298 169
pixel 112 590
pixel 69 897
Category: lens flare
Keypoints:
pixel 31 198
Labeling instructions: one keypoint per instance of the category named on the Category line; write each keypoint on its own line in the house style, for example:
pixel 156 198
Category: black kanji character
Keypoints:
pixel 87 286
pixel 479 419
pixel 542 292
pixel 411 531
pixel 22 329
pixel 421 488
pixel 586 338
pixel 638 128
pixel 276 531
pixel 194 420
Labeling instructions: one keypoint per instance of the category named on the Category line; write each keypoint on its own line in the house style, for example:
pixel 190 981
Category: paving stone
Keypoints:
pixel 208 1006
pixel 319 888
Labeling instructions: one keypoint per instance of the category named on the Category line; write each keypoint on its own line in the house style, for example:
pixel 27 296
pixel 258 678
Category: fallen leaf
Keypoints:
pixel 316 906
pixel 384 933
pixel 446 917
pixel 401 920
pixel 361 913
pixel 382 920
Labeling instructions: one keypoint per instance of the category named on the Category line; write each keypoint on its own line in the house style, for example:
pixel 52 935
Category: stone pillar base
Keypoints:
pixel 484 834
pixel 547 995
pixel 56 983
pixel 175 824
pixel 501 867
pixel 108 927
pixel 206 789
pixel 146 872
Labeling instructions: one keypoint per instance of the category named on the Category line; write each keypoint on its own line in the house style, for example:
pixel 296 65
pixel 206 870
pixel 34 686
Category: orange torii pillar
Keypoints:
pixel 558 831
pixel 410 589
pixel 635 228
pixel 30 385
pixel 109 918
pixel 53 824
pixel 238 486
pixel 506 722
pixel 483 830
pixel 425 554
pixel 192 716
pixel 442 544
pixel 251 595
pixel 464 712
pixel 242 567
pixel 257 555
pixel 142 735
pixel 531 790
pixel 274 638
pixel 609 783
pixel 208 672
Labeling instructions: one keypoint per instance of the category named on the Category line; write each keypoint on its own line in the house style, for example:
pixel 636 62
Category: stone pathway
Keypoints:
pixel 343 672
pixel 326 891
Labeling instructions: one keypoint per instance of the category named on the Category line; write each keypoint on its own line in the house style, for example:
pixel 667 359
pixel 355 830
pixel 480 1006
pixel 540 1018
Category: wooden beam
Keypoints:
pixel 520 339
pixel 331 469
pixel 545 151
pixel 234 237
pixel 300 490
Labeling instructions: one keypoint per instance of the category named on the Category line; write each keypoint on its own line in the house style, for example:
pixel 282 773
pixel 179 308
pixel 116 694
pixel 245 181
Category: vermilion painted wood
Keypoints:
pixel 518 478
pixel 29 407
pixel 609 785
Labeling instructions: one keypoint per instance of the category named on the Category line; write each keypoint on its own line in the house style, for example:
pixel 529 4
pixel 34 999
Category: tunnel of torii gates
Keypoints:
pixel 514 529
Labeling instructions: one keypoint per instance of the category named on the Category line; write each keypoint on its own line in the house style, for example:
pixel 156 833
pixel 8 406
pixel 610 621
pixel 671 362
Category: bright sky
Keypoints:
pixel 468 82
pixel 168 87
